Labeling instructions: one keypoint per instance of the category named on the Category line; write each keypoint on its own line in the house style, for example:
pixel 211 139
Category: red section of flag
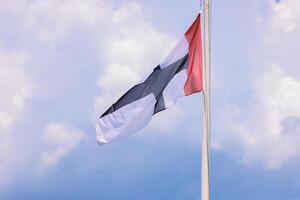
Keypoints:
pixel 194 70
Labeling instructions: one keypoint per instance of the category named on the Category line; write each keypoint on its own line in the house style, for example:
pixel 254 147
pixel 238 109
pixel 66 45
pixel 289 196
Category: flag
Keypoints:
pixel 180 74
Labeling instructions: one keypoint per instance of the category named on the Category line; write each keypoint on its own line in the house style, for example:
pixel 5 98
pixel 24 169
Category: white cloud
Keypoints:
pixel 47 22
pixel 268 134
pixel 60 140
pixel 16 89
pixel 286 17
pixel 262 135
pixel 51 21
pixel 280 34
pixel 15 85
pixel 132 47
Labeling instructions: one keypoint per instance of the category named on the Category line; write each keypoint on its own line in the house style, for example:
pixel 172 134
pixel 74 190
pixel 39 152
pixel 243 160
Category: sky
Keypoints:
pixel 63 63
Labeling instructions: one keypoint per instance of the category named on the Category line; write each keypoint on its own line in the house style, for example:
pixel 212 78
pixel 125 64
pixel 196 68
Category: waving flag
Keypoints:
pixel 180 74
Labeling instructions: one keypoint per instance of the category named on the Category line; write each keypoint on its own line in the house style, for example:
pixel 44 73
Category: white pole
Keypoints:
pixel 205 190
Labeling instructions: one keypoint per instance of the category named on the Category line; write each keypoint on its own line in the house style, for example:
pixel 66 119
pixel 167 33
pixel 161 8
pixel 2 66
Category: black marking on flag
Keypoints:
pixel 155 84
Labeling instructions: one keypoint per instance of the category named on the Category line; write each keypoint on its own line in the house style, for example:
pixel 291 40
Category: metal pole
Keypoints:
pixel 205 179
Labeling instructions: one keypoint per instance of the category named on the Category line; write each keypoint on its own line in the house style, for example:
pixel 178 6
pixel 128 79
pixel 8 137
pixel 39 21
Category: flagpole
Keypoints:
pixel 205 179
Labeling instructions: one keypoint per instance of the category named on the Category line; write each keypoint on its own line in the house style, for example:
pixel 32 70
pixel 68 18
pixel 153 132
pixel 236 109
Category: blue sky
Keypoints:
pixel 64 62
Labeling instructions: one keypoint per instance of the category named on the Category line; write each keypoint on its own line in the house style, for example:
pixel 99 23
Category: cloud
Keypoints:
pixel 264 136
pixel 268 133
pixel 280 34
pixel 60 140
pixel 50 21
pixel 16 90
pixel 286 17
pixel 16 86
pixel 21 65
pixel 132 48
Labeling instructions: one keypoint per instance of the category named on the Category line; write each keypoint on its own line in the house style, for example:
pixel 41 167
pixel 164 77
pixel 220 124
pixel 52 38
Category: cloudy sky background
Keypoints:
pixel 64 62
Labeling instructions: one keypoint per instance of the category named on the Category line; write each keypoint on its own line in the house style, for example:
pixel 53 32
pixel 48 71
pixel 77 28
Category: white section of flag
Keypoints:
pixel 179 51
pixel 126 120
pixel 174 89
